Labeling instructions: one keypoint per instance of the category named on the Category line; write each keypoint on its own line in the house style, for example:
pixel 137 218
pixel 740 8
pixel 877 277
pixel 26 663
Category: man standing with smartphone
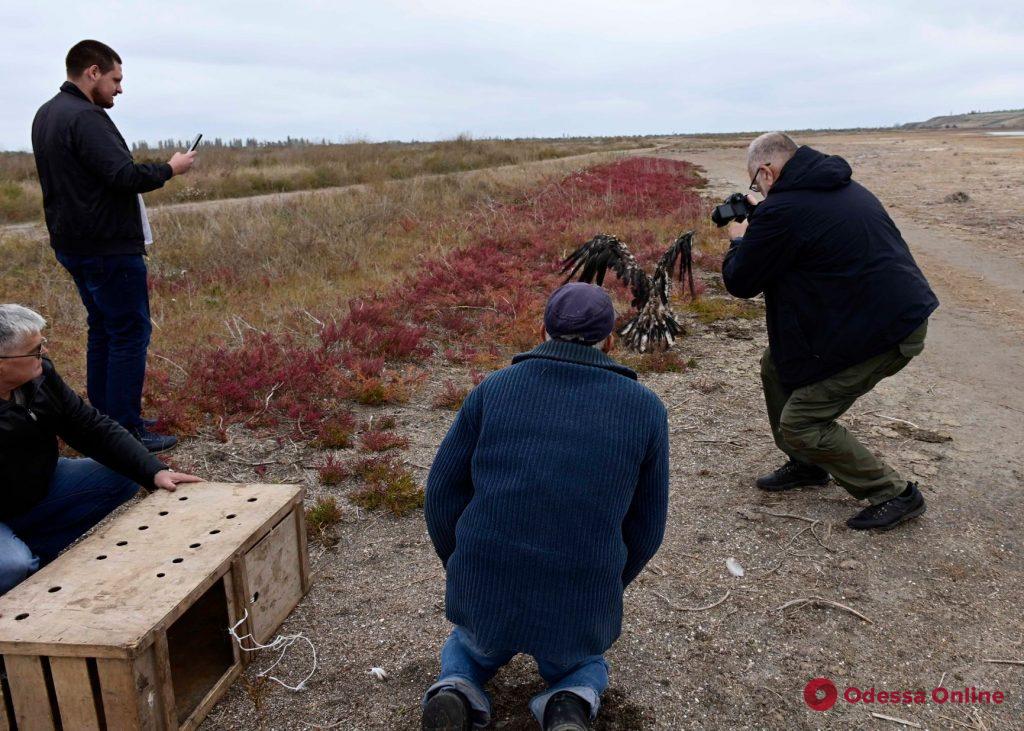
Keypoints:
pixel 99 229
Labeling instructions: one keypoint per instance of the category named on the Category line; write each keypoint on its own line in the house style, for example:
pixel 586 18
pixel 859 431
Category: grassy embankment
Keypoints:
pixel 236 172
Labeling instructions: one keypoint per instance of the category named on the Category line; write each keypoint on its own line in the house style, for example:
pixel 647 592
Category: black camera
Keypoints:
pixel 735 208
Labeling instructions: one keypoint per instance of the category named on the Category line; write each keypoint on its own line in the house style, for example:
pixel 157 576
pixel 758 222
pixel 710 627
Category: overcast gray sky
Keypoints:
pixel 407 70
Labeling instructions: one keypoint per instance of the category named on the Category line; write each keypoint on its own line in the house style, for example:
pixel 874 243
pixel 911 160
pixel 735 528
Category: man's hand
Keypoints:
pixel 181 162
pixel 736 229
pixel 169 479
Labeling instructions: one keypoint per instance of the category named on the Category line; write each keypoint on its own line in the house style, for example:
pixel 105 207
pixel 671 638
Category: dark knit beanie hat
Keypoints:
pixel 579 312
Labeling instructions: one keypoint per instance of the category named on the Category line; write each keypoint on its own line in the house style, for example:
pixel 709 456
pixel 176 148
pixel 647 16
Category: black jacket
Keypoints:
pixel 28 442
pixel 90 182
pixel 839 282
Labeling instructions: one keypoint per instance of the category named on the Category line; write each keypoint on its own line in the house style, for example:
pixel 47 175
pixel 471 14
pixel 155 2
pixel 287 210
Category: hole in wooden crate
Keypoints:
pixel 162 513
pixel 195 545
pixel 177 560
pixel 23 615
pixel 183 497
pixel 215 531
pixel 53 589
pixel 161 575
pixel 230 516
pixel 200 649
pixel 251 500
pixel 122 543
pixel 100 557
pixel 143 527
pixel 255 597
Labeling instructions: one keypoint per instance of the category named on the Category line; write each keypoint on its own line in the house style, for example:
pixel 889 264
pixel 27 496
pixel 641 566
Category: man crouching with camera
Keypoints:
pixel 846 307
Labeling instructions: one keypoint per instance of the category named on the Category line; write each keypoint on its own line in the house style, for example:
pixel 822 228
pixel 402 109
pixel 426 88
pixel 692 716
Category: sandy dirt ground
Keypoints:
pixel 701 649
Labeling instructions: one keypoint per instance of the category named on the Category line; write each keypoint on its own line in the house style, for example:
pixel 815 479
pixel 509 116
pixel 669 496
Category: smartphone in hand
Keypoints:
pixel 195 142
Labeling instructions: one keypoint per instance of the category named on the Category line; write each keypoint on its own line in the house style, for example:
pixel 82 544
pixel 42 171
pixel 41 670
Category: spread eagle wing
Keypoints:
pixel 656 324
pixel 680 251
pixel 593 260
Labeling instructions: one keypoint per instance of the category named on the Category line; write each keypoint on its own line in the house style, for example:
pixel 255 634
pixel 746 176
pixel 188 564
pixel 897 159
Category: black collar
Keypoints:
pixel 70 87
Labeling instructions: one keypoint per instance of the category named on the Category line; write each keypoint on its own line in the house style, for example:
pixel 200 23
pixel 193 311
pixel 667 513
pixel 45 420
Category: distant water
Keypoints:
pixel 1009 133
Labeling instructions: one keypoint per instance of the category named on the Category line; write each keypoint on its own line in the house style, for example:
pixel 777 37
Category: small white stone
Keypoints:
pixel 379 673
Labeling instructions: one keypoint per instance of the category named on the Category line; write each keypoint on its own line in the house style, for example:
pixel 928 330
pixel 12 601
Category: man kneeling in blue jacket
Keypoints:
pixel 546 499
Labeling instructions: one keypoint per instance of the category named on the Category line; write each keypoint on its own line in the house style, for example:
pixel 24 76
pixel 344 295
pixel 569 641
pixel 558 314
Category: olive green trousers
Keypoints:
pixel 803 420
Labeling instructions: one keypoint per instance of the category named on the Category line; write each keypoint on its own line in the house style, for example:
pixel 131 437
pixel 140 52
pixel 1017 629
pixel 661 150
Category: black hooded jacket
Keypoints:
pixel 90 181
pixel 839 282
pixel 28 442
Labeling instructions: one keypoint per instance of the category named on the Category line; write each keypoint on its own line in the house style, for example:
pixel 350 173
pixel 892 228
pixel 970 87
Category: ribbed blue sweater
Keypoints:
pixel 546 498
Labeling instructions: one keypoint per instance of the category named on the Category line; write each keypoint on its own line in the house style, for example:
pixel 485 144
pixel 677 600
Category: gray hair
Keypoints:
pixel 773 147
pixel 17 323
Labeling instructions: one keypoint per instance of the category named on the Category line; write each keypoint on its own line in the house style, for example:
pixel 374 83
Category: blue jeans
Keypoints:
pixel 114 291
pixel 467 668
pixel 82 493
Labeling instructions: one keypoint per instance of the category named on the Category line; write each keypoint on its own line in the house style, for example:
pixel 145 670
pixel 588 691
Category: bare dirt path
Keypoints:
pixel 702 649
pixel 976 268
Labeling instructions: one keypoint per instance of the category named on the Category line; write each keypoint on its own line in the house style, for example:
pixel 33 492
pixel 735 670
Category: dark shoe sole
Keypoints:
pixel 794 485
pixel 161 450
pixel 446 712
pixel 915 513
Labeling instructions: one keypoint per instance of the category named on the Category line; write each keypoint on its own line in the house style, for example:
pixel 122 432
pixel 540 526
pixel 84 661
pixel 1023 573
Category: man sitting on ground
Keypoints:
pixel 46 501
pixel 546 499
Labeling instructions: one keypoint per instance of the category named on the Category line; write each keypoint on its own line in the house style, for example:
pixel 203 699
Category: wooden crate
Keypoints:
pixel 128 629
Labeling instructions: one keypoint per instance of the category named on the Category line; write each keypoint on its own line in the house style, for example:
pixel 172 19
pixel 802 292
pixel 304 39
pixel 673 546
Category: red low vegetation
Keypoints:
pixel 451 396
pixel 332 471
pixel 472 305
pixel 381 441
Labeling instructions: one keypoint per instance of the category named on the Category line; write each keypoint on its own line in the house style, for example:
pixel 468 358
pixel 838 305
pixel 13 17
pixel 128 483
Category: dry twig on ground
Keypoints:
pixel 692 609
pixel 911 724
pixel 821 601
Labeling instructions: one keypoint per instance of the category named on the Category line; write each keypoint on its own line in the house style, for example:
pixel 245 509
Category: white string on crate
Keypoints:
pixel 282 643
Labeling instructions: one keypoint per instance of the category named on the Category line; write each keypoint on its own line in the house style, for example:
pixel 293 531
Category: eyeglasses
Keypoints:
pixel 37 353
pixel 753 181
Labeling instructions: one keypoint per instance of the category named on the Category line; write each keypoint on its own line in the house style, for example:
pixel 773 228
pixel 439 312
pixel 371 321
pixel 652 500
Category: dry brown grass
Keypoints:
pixel 20 197
pixel 222 274
pixel 235 172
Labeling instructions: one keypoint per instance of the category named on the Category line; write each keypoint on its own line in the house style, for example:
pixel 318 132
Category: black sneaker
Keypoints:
pixel 566 711
pixel 153 442
pixel 885 516
pixel 447 710
pixel 150 423
pixel 793 474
